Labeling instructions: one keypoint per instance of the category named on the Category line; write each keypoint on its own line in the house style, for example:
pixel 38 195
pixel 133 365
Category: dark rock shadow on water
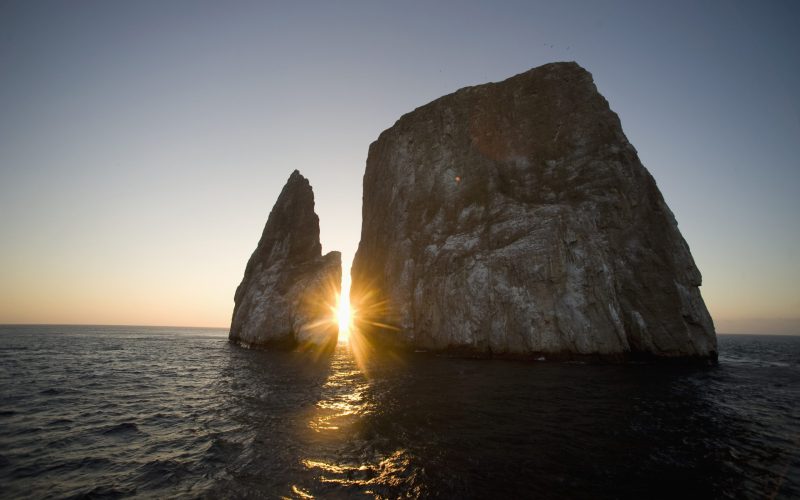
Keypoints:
pixel 452 428
pixel 548 430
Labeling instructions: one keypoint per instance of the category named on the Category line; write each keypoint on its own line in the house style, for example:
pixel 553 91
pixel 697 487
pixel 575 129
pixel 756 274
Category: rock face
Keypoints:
pixel 288 288
pixel 516 219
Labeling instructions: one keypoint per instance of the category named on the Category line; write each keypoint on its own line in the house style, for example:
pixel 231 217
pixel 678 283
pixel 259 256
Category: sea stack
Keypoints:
pixel 285 298
pixel 515 219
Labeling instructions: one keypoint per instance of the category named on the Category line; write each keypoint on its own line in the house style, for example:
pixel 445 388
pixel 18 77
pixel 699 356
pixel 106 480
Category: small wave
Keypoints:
pixel 60 421
pixel 736 360
pixel 86 463
pixel 62 442
pixel 123 428
pixel 103 492
pixel 28 430
pixel 221 450
pixel 159 473
pixel 50 392
pixel 38 469
pixel 7 413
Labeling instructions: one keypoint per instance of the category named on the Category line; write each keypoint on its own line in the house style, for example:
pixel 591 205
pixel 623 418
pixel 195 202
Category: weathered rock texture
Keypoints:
pixel 288 287
pixel 515 218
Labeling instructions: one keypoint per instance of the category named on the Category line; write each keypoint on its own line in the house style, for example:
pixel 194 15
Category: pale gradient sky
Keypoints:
pixel 143 144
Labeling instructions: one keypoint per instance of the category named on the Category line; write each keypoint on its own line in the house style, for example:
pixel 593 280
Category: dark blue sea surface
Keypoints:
pixel 104 412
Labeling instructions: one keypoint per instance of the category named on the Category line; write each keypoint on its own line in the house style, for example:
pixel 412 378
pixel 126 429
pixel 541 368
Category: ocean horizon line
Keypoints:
pixel 117 325
pixel 121 325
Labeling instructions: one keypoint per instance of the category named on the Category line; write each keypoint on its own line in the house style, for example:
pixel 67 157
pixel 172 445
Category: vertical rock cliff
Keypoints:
pixel 288 288
pixel 515 218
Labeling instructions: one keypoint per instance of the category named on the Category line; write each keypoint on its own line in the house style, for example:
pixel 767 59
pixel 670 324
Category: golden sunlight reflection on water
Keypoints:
pixel 334 421
pixel 342 395
pixel 360 476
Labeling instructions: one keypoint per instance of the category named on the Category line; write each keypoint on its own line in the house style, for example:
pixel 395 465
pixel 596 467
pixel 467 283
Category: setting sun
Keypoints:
pixel 343 315
pixel 343 311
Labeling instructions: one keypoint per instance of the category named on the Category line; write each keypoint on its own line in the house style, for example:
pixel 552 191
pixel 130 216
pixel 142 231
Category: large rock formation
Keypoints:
pixel 288 288
pixel 515 218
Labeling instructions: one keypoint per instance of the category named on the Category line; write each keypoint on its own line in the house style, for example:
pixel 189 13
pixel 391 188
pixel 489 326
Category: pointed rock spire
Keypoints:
pixel 288 288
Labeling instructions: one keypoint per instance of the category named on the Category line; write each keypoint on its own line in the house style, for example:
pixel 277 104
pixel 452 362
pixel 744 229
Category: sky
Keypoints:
pixel 143 144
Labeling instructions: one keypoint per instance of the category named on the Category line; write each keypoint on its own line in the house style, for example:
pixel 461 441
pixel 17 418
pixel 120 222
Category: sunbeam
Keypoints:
pixel 343 311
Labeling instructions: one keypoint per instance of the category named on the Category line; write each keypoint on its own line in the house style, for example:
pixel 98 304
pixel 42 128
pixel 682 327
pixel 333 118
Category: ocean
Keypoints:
pixel 111 412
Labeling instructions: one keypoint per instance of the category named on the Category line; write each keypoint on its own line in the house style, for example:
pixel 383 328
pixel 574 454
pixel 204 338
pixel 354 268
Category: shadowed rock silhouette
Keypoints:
pixel 516 219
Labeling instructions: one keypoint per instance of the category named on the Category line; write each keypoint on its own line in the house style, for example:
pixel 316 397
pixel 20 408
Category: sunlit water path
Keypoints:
pixel 116 412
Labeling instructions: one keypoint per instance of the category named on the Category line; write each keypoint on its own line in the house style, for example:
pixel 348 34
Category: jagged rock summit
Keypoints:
pixel 515 219
pixel 288 287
